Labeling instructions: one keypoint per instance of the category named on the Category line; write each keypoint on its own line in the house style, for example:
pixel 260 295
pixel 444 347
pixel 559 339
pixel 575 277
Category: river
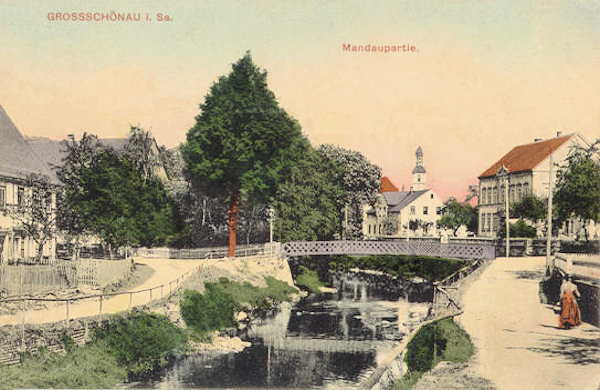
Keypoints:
pixel 332 339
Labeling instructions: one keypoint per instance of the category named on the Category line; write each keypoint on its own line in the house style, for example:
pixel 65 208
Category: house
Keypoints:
pixel 51 152
pixel 522 171
pixel 17 162
pixel 399 213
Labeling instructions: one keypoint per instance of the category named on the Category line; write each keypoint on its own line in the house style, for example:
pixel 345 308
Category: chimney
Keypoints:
pixel 558 133
pixel 538 140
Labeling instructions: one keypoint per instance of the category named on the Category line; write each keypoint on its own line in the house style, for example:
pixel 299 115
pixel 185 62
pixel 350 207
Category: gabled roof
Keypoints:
pixel 526 157
pixel 396 201
pixel 48 150
pixel 17 158
pixel 386 185
pixel 407 199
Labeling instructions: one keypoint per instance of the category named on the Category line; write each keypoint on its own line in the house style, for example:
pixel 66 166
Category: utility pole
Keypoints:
pixel 549 229
pixel 507 214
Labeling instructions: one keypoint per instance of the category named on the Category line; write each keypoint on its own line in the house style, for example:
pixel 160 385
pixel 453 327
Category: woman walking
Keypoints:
pixel 569 314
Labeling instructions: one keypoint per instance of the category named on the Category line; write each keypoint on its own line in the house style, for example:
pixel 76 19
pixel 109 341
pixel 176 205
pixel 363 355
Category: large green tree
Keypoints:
pixel 309 203
pixel 243 143
pixel 456 214
pixel 360 180
pixel 121 206
pixel 577 191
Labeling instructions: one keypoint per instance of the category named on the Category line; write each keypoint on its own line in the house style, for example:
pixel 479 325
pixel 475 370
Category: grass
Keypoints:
pixel 246 294
pixel 309 280
pixel 440 341
pixel 91 366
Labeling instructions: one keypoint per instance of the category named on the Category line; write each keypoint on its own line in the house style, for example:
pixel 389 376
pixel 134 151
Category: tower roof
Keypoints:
pixel 419 151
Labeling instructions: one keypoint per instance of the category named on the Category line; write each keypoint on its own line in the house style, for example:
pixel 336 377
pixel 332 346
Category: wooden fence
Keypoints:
pixel 33 279
pixel 580 266
pixel 62 274
pixel 208 253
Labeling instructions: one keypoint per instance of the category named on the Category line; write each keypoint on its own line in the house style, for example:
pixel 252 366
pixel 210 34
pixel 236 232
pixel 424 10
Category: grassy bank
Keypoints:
pixel 215 309
pixel 120 348
pixel 440 341
pixel 128 346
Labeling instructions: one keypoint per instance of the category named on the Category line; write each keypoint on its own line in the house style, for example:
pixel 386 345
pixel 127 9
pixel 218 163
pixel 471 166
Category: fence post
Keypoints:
pixel 67 320
pixel 170 289
pixel 23 326
pixel 100 309
pixel 161 291
pixel 150 295
pixel 130 299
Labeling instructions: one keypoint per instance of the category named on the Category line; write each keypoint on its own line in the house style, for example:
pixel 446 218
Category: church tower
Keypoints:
pixel 418 172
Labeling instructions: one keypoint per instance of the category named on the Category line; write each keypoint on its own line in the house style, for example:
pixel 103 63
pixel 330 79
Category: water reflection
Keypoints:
pixel 330 339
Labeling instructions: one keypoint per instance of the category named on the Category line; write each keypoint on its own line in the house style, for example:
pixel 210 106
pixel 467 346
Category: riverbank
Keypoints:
pixel 70 368
pixel 452 372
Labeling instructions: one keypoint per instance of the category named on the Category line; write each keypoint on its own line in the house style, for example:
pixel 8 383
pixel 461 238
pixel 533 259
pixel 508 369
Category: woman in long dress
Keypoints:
pixel 569 314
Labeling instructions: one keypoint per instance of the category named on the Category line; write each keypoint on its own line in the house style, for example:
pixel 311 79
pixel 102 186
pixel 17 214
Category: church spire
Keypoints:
pixel 418 172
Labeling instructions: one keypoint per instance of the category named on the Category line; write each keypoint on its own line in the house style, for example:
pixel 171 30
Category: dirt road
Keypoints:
pixel 517 339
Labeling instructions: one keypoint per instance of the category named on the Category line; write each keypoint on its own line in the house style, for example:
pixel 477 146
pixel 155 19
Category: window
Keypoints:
pixel 431 196
pixel 495 194
pixel 369 229
pixel 483 194
pixel 2 196
pixel 438 210
pixel 519 192
pixel 20 195
pixel 413 210
pixel 488 223
pixel 489 195
pixel 483 222
pixel 425 210
pixel 525 189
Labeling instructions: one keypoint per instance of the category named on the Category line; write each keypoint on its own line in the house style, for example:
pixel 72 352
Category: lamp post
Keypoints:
pixel 503 173
pixel 271 216
pixel 549 229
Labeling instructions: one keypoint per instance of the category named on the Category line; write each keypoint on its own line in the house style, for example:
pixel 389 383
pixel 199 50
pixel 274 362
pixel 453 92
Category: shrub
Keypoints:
pixel 209 311
pixel 141 341
pixel 309 280
pixel 422 350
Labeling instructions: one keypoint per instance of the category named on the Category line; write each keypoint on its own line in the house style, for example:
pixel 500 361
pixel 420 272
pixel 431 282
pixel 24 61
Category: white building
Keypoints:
pixel 525 169
pixel 396 212
pixel 17 161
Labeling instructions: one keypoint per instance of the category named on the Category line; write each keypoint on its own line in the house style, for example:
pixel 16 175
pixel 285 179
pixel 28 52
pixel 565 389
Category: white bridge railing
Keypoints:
pixel 580 266
pixel 398 247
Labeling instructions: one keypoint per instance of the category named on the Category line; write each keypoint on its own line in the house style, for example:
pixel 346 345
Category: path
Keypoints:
pixel 517 339
pixel 164 272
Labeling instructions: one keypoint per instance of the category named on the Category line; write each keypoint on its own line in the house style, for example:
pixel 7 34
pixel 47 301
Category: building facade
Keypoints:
pixel 523 171
pixel 404 213
pixel 17 162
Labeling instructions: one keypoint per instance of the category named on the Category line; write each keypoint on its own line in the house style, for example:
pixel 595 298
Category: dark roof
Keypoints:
pixel 386 185
pixel 418 169
pixel 407 199
pixel 17 158
pixel 397 201
pixel 526 157
pixel 48 150
pixel 117 144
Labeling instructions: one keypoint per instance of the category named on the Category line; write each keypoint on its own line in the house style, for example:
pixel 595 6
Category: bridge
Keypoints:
pixel 389 247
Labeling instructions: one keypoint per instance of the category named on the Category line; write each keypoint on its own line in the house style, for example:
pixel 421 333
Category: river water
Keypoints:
pixel 326 340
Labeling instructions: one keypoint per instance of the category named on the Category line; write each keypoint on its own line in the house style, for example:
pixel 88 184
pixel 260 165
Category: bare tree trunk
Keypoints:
pixel 233 220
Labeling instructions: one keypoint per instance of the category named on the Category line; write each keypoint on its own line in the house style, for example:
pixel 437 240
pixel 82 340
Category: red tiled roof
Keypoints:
pixel 387 186
pixel 526 157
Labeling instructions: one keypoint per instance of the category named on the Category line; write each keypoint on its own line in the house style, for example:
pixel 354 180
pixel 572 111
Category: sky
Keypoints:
pixel 485 76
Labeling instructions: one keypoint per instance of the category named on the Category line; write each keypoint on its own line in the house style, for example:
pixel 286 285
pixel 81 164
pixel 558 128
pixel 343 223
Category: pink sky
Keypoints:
pixel 488 75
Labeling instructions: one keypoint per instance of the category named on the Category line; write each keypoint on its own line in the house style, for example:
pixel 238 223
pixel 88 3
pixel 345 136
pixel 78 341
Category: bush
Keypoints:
pixel 309 280
pixel 141 341
pixel 422 350
pixel 521 229
pixel 209 311
pixel 91 366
